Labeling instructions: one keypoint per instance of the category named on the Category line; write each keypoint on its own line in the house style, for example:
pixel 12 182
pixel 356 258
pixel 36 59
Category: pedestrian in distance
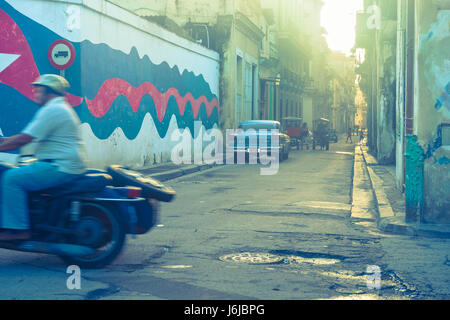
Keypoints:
pixel 361 136
pixel 349 135
pixel 59 152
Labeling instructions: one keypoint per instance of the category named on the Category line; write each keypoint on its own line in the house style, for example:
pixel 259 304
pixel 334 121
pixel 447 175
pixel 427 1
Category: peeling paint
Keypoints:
pixel 428 174
pixel 444 99
pixel 414 178
pixel 443 161
pixel 438 30
pixel 437 187
pixel 436 144
pixel 434 47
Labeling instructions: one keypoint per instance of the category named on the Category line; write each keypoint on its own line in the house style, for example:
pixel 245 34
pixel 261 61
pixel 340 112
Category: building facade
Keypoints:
pixel 406 82
pixel 343 108
pixel 269 52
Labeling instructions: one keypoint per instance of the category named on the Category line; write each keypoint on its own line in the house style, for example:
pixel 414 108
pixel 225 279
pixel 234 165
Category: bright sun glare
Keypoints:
pixel 338 17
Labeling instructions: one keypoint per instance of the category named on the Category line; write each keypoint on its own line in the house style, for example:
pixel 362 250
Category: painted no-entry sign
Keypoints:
pixel 61 54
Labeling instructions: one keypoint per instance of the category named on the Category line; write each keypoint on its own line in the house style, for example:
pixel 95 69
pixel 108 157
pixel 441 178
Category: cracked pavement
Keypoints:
pixel 213 242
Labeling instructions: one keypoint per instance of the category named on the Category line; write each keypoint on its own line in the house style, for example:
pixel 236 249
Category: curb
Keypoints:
pixel 387 220
pixel 392 225
pixel 176 173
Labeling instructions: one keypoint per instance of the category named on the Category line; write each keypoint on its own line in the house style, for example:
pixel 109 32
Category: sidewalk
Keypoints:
pixel 169 171
pixel 390 201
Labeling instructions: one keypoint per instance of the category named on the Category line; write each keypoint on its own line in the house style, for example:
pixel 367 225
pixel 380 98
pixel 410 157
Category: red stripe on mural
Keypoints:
pixel 73 100
pixel 112 88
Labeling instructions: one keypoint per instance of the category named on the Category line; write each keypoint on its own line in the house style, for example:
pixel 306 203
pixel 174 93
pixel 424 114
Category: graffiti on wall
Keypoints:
pixel 444 99
pixel 110 89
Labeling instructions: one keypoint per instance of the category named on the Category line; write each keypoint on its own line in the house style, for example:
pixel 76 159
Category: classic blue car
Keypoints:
pixel 255 138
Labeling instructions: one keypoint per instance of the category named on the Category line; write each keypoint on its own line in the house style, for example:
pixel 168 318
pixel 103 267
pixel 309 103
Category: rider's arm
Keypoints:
pixel 14 142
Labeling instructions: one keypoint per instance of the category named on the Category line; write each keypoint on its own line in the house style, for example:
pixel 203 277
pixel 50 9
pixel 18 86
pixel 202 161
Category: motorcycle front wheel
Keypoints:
pixel 98 227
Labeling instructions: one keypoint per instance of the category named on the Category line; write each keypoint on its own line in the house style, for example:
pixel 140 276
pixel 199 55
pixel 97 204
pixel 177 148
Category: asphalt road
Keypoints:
pixel 233 233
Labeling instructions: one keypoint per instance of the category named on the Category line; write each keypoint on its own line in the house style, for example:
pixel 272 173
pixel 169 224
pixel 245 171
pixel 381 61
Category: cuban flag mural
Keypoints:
pixel 132 87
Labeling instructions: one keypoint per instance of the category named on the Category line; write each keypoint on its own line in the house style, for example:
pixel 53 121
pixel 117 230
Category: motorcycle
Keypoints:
pixel 85 222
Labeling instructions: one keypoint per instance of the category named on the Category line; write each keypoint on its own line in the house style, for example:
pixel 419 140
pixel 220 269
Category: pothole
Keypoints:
pixel 177 267
pixel 317 261
pixel 306 256
pixel 193 182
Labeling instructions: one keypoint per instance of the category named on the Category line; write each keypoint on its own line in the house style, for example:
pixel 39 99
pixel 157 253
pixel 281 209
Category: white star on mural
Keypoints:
pixel 7 59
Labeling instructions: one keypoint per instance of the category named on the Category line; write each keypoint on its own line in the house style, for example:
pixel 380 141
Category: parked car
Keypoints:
pixel 292 127
pixel 248 141
pixel 332 135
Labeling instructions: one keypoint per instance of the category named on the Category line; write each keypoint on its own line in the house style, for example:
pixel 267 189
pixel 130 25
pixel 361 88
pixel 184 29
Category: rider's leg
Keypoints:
pixel 15 185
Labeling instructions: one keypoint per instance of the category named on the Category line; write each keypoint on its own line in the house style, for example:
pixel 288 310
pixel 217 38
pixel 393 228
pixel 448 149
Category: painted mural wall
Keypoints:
pixel 133 84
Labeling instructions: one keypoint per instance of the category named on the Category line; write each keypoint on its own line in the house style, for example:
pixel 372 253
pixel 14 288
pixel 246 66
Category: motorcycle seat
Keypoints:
pixel 87 183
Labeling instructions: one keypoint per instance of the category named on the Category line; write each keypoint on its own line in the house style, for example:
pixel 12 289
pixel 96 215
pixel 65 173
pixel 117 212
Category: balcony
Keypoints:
pixel 269 56
pixel 291 79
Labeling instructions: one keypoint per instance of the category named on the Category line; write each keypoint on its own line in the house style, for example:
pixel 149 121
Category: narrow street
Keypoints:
pixel 234 234
pixel 158 86
pixel 287 236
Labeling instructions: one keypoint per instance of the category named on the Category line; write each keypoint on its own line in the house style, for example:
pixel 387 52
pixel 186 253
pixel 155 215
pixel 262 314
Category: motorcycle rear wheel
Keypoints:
pixel 103 231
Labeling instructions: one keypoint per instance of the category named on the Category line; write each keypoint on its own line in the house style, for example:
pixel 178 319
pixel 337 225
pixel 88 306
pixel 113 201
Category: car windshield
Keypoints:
pixel 259 126
pixel 292 124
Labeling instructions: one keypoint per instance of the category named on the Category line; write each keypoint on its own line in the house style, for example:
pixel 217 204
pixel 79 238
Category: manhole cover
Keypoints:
pixel 252 258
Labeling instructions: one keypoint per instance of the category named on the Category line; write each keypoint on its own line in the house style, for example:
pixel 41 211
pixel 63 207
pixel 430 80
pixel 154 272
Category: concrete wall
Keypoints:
pixel 432 105
pixel 133 84
pixel 433 65
pixel 422 159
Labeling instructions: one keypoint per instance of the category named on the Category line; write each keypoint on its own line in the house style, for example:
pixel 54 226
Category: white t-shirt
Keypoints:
pixel 55 129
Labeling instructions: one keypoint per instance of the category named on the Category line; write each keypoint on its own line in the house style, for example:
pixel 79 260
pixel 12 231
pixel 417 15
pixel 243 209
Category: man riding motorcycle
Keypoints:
pixel 59 151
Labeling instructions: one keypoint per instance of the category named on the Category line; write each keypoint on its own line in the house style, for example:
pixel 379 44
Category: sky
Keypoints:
pixel 338 17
